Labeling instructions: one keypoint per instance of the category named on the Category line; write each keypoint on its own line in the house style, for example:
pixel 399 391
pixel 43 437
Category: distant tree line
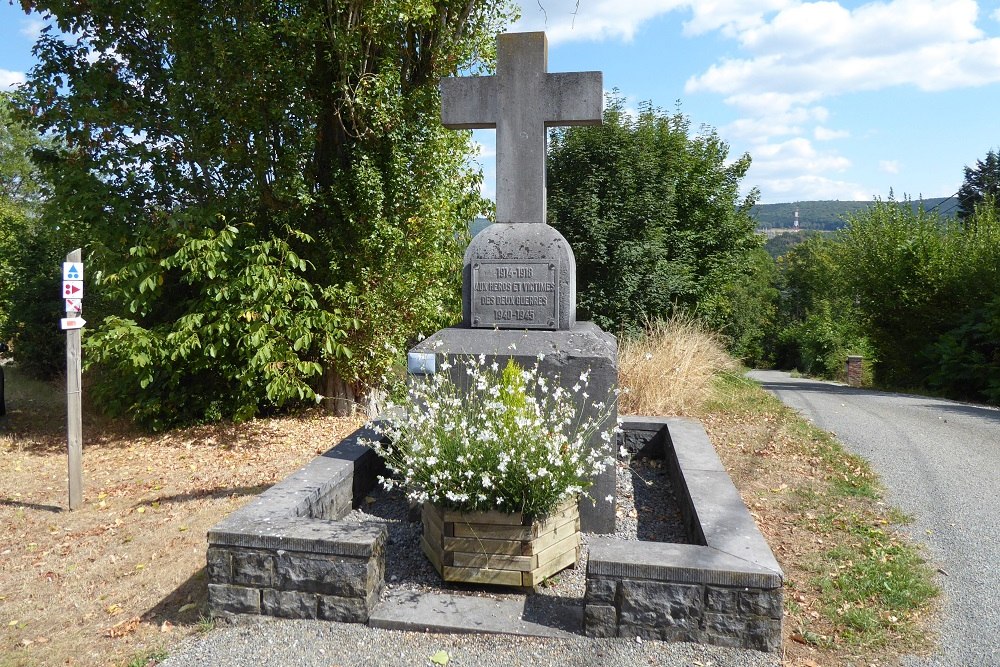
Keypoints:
pixel 829 215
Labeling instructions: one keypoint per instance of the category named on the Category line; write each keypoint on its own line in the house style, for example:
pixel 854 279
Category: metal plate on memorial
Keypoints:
pixel 515 294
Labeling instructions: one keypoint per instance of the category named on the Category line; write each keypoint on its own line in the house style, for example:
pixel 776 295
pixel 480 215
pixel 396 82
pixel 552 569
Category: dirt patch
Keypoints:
pixel 124 575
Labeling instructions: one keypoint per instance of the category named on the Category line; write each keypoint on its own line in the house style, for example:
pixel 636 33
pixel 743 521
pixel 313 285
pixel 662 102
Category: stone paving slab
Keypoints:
pixel 527 616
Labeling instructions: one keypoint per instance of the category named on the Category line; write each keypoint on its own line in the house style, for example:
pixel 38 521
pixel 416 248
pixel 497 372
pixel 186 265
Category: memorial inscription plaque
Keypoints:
pixel 515 293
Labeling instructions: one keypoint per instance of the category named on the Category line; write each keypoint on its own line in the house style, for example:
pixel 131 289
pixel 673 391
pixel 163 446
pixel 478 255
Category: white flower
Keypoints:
pixel 609 498
pixel 576 387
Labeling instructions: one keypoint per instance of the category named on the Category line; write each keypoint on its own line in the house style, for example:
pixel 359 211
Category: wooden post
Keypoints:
pixel 74 410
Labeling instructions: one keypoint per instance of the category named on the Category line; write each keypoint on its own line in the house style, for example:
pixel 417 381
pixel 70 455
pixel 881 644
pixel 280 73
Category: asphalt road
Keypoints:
pixel 940 463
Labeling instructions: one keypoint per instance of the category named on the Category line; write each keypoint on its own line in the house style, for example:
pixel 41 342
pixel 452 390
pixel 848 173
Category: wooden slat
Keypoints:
pixel 479 576
pixel 486 517
pixel 432 554
pixel 539 575
pixel 569 543
pixel 472 545
pixel 557 518
pixel 432 529
pixel 480 531
pixel 570 526
pixel 495 561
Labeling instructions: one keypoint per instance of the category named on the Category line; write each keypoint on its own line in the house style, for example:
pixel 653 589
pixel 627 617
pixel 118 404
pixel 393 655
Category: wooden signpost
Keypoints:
pixel 72 294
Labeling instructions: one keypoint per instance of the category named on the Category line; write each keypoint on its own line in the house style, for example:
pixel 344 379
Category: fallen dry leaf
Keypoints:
pixel 122 629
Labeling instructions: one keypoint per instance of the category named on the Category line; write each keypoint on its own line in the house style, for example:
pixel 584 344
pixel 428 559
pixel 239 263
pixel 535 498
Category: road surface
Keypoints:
pixel 940 463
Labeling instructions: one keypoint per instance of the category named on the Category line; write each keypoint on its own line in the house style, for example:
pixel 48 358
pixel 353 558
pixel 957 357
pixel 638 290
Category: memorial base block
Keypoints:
pixel 565 355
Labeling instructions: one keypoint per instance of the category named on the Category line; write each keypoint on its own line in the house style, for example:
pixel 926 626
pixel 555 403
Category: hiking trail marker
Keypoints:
pixel 72 294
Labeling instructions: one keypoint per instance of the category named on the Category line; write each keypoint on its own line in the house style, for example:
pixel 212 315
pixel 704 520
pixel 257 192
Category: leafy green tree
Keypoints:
pixel 819 324
pixel 654 216
pixel 272 206
pixel 30 253
pixel 918 277
pixel 981 185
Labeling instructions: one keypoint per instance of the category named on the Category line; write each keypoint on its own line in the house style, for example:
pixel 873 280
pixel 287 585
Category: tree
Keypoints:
pixel 273 207
pixel 981 184
pixel 654 217
pixel 30 253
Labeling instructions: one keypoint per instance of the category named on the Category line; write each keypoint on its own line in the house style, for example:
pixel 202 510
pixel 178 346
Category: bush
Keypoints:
pixel 654 215
pixel 668 369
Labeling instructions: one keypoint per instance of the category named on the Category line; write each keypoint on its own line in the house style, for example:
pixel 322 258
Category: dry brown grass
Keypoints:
pixel 669 370
pixel 124 575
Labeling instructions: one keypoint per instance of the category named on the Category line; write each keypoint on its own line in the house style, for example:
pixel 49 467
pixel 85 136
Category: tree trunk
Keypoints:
pixel 338 394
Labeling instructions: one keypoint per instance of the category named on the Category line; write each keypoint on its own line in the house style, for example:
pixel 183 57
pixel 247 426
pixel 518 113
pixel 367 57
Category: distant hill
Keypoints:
pixel 830 214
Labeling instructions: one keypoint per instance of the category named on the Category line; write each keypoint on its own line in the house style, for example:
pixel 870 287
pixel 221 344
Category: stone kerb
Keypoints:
pixel 286 554
pixel 723 589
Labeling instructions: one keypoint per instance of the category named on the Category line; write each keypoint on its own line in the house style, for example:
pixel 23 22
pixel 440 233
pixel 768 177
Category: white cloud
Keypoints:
pixel 889 166
pixel 808 187
pixel 815 50
pixel 732 17
pixel 873 28
pixel 826 134
pixel 569 20
pixel 9 79
pixel 32 28
pixel 795 155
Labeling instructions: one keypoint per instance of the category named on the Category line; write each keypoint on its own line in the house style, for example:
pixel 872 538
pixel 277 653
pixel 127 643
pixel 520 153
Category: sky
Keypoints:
pixel 832 100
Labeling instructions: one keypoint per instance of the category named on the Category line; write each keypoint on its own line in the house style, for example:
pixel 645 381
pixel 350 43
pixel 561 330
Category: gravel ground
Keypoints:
pixel 939 462
pixel 647 509
pixel 263 642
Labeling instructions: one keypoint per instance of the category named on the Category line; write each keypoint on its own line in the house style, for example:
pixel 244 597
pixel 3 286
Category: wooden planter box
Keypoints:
pixel 495 548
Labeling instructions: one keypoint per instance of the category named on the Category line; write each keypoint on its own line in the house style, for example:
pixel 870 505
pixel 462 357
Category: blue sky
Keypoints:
pixel 833 100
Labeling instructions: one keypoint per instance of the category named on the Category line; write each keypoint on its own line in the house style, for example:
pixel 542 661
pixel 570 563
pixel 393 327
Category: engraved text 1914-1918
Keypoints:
pixel 515 294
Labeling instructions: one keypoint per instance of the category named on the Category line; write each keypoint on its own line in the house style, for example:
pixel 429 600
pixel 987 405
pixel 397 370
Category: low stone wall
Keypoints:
pixel 285 554
pixel 723 589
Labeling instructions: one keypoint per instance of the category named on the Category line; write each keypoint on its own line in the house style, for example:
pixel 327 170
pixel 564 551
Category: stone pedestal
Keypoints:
pixel 567 354
pixel 855 370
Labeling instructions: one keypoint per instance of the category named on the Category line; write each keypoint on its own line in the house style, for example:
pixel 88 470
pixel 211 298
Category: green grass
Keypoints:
pixel 146 658
pixel 872 583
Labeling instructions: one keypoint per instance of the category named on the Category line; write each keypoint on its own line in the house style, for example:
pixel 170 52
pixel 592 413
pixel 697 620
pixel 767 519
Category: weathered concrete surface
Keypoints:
pixel 443 612
pixel 521 101
pixel 724 589
pixel 523 243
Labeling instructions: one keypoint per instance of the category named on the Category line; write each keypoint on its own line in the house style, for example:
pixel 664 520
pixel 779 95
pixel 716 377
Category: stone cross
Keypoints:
pixel 521 101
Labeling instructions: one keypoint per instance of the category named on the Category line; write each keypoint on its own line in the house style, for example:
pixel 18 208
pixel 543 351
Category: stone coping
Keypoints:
pixel 728 548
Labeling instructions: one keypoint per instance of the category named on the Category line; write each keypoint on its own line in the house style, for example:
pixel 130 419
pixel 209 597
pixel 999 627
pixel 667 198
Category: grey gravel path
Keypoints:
pixel 261 642
pixel 940 462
